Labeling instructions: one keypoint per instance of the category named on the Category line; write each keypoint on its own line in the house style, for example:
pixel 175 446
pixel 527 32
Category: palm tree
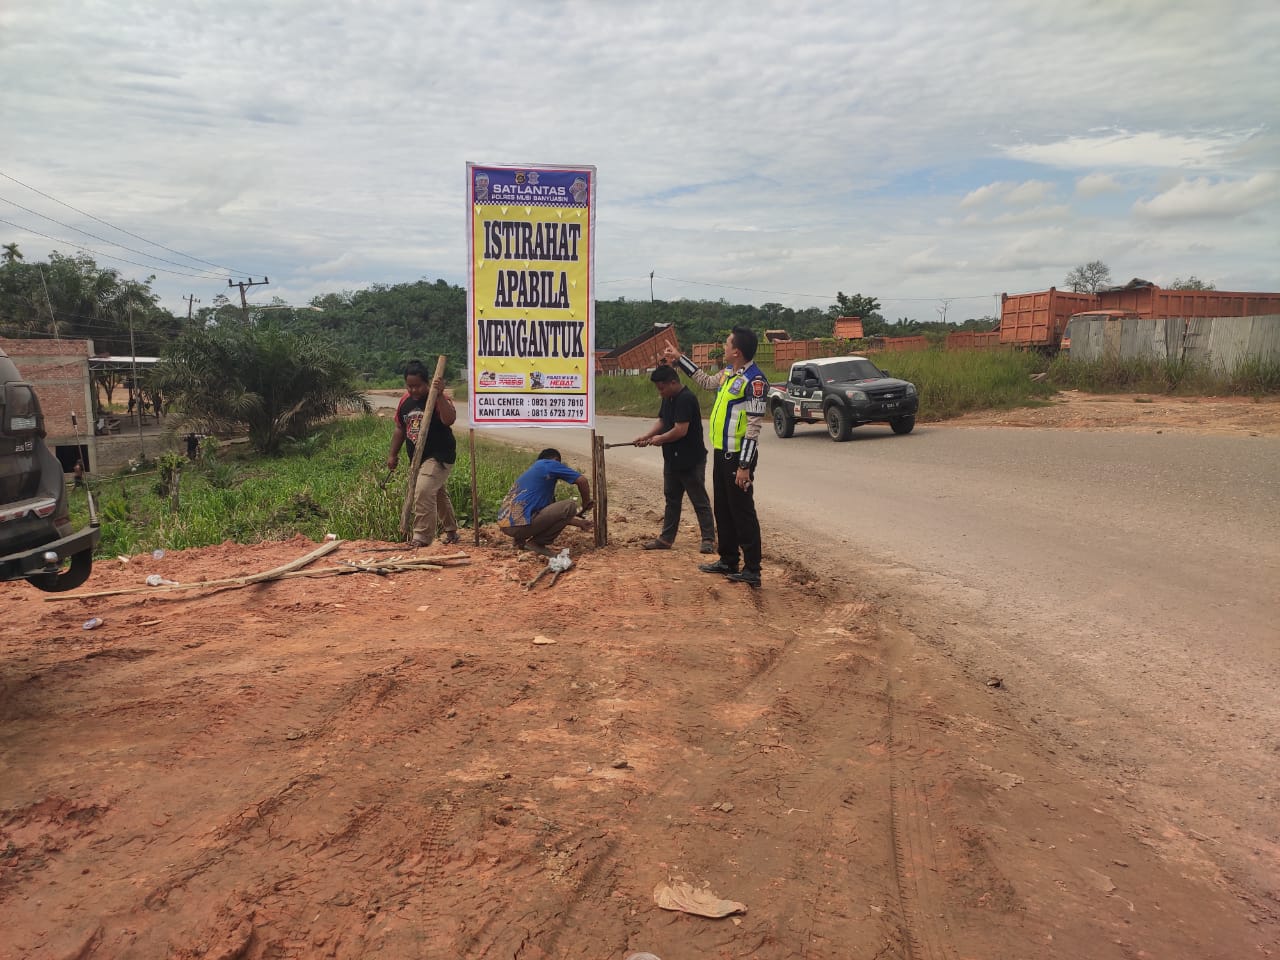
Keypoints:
pixel 270 382
pixel 11 253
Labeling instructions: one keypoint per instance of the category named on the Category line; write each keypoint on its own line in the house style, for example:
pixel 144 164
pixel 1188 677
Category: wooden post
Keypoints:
pixel 406 512
pixel 601 482
pixel 475 490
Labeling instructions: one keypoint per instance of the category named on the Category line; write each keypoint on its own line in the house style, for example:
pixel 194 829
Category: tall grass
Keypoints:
pixel 1254 376
pixel 952 382
pixel 328 483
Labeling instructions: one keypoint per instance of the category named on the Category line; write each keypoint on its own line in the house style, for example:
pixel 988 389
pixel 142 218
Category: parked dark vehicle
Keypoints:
pixel 37 541
pixel 843 393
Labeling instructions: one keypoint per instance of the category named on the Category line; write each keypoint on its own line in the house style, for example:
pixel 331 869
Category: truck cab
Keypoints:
pixel 37 541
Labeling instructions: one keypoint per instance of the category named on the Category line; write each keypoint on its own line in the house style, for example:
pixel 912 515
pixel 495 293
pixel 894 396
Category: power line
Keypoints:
pixel 121 229
pixel 141 253
pixel 110 256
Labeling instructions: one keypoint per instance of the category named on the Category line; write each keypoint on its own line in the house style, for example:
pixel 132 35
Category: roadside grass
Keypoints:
pixel 326 483
pixel 1252 377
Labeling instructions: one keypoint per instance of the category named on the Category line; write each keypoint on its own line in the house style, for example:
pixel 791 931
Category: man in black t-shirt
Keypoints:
pixel 430 498
pixel 678 430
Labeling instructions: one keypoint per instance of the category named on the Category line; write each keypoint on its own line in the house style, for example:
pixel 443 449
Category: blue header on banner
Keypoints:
pixel 542 187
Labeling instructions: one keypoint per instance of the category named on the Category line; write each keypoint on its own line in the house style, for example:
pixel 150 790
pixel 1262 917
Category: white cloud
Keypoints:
pixel 982 195
pixel 1202 198
pixel 1032 191
pixel 1124 149
pixel 1013 194
pixel 1096 184
pixel 1041 215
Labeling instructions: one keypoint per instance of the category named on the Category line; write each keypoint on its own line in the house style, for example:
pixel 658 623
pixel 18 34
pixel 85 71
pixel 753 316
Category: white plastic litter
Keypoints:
pixel 155 580
pixel 560 563
pixel 157 554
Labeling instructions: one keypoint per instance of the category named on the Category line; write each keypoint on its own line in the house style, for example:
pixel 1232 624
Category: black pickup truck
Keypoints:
pixel 842 392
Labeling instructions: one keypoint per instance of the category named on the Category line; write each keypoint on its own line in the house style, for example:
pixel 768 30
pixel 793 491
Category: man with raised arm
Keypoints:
pixel 742 392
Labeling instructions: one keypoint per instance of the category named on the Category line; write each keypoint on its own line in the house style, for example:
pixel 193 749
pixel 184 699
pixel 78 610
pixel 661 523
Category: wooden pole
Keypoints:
pixel 406 512
pixel 475 489
pixel 601 481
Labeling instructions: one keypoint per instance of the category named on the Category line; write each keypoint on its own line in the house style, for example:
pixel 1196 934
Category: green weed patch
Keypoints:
pixel 326 483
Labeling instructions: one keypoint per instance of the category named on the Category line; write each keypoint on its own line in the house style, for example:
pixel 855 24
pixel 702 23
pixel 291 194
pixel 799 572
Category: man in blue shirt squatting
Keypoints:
pixel 742 393
pixel 531 515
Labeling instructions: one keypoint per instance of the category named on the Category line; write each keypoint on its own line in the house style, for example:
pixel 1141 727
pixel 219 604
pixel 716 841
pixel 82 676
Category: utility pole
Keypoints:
pixel 137 387
pixel 53 321
pixel 245 285
pixel 191 298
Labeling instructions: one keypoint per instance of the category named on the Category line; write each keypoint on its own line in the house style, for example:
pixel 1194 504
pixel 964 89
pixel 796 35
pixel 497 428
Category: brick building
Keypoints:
pixel 59 371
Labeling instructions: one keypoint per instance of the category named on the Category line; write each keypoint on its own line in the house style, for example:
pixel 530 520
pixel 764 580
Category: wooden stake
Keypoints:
pixel 406 512
pixel 475 489
pixel 601 480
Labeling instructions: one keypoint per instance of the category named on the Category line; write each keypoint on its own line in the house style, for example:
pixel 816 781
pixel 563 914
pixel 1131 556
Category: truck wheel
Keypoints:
pixel 70 578
pixel 902 424
pixel 838 423
pixel 784 425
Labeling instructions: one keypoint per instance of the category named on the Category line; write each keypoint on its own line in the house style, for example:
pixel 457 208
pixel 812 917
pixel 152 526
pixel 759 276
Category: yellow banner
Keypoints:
pixel 531 296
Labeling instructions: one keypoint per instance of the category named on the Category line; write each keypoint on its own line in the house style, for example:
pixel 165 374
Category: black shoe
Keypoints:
pixel 708 546
pixel 718 567
pixel 749 577
pixel 656 544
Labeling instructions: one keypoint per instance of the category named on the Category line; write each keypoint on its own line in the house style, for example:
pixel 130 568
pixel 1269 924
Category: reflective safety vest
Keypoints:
pixel 740 395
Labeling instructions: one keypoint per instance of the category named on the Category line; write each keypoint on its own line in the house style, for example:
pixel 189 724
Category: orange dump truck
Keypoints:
pixel 1146 300
pixel 1039 319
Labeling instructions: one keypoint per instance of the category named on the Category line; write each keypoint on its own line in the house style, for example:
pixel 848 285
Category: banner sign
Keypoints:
pixel 531 296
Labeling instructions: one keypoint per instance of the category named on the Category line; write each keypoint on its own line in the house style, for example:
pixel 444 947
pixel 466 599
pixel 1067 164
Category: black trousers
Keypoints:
pixel 735 514
pixel 675 485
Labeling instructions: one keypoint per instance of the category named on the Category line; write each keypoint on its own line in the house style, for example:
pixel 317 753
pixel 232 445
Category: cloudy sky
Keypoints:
pixel 756 151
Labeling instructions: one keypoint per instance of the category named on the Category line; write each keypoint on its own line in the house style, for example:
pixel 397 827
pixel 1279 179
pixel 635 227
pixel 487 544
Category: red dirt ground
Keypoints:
pixel 357 766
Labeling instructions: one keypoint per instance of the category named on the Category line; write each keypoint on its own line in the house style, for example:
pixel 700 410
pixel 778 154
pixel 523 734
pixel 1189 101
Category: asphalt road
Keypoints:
pixel 1125 586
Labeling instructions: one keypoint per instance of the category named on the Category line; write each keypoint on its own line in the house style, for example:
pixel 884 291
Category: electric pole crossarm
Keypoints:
pixel 245 285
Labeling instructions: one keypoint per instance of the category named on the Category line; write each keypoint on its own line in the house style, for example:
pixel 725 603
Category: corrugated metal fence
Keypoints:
pixel 1219 342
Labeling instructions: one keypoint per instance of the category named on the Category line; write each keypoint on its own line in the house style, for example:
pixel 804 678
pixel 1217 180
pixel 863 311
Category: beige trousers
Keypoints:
pixel 431 501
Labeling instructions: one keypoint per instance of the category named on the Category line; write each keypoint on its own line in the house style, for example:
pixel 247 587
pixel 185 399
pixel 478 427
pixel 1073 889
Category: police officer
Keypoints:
pixel 742 392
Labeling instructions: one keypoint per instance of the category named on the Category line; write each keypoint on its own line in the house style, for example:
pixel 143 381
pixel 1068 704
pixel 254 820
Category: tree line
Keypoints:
pixel 376 329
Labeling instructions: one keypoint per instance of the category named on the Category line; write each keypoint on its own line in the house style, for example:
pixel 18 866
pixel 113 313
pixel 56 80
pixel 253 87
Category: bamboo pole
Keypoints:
pixel 406 512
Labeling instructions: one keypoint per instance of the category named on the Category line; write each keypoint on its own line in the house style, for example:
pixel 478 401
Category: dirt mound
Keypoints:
pixel 363 766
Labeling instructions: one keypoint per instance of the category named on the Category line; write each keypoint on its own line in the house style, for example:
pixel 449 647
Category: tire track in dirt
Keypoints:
pixel 918 871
